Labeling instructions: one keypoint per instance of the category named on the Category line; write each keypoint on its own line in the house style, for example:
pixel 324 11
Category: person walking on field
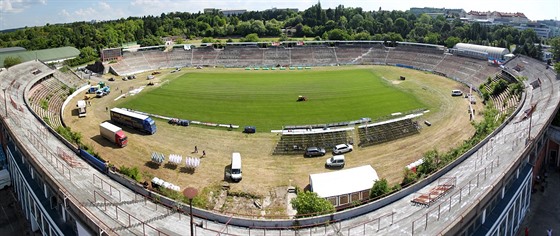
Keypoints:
pixel 195 149
pixel 203 153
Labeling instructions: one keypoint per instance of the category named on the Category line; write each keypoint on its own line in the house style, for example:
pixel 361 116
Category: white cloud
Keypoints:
pixel 17 6
pixel 104 6
pixel 64 13
pixel 98 11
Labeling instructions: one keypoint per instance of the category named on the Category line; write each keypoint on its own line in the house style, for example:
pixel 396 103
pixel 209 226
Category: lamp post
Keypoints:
pixel 190 193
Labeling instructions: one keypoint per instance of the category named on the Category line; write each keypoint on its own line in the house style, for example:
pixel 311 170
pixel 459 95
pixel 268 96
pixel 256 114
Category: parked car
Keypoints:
pixel 314 152
pixel 335 161
pixel 456 92
pixel 342 148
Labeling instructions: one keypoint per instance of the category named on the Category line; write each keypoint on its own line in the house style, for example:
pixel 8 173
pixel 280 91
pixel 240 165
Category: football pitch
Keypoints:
pixel 267 99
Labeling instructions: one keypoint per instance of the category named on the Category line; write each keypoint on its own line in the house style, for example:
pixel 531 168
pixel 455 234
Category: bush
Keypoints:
pixel 409 177
pixel 44 104
pixel 498 86
pixel 133 173
pixel 380 188
pixel 516 88
pixel 309 204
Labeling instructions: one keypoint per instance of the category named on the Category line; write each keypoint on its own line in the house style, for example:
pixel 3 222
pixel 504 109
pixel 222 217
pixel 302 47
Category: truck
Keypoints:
pixel 113 133
pixel 134 120
pixel 81 108
pixel 93 89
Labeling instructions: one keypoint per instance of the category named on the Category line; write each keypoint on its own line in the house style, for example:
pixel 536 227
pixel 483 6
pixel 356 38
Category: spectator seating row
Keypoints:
pixel 297 143
pixel 53 92
pixel 467 70
pixel 386 131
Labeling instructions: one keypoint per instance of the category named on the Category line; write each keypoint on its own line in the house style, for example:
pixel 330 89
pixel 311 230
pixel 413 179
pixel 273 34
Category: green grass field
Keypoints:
pixel 267 99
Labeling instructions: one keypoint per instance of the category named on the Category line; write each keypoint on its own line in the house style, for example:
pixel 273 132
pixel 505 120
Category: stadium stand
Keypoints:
pixel 179 57
pixel 505 101
pixel 388 130
pixel 275 56
pixel 495 182
pixel 324 56
pixel 300 56
pixel 375 55
pixel 156 59
pixel 204 56
pixel 69 78
pixel 350 54
pixel 296 141
pixel 49 93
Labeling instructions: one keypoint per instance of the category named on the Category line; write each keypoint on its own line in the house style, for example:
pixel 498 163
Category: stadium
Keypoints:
pixel 486 190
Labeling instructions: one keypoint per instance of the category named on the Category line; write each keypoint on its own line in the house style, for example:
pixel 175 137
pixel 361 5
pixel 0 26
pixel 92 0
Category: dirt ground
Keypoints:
pixel 265 176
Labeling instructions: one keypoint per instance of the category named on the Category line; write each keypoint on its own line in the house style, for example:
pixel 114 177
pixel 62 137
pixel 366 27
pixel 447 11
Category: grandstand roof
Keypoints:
pixel 480 48
pixel 45 55
pixel 343 181
pixel 11 49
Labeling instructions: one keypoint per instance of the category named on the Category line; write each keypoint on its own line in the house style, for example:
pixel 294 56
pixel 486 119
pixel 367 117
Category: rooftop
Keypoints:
pixel 343 181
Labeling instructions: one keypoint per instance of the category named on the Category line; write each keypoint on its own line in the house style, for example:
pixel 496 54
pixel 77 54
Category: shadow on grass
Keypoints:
pixel 170 166
pixel 187 170
pixel 152 165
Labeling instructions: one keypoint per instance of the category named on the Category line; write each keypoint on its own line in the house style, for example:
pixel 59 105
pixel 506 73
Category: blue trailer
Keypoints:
pixel 134 120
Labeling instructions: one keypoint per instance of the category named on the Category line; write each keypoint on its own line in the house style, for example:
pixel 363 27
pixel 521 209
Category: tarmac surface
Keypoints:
pixel 544 211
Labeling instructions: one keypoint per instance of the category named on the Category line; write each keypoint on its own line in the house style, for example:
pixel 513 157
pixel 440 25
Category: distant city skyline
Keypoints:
pixel 21 13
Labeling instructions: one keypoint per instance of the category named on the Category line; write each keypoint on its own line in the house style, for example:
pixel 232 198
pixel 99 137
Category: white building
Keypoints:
pixel 542 30
pixel 498 17
pixel 343 187
pixel 479 51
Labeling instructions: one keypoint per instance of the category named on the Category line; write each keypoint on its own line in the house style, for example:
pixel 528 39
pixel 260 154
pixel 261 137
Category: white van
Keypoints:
pixel 236 167
pixel 5 179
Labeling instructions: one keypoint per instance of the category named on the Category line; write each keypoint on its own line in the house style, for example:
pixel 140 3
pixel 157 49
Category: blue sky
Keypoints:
pixel 19 13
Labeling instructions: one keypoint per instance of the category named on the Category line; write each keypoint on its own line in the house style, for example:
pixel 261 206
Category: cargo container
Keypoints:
pixel 113 133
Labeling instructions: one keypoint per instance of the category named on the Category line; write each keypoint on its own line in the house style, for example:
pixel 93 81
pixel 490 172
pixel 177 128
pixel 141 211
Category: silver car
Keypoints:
pixel 342 148
pixel 335 161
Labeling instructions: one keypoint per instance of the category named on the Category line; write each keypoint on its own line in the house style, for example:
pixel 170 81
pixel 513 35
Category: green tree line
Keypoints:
pixel 340 23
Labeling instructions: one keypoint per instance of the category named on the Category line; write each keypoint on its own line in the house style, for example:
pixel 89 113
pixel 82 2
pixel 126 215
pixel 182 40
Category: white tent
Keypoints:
pixel 342 182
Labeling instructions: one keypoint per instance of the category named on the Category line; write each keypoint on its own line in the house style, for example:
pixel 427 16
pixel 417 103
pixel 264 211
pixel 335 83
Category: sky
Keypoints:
pixel 20 13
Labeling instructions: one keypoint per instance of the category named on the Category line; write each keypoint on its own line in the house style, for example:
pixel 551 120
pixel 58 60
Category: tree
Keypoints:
pixel 555 48
pixel 362 36
pixel 451 41
pixel 88 52
pixel 556 67
pixel 380 188
pixel 250 38
pixel 401 26
pixel 430 162
pixel 309 204
pixel 409 177
pixel 10 61
pixel 338 34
